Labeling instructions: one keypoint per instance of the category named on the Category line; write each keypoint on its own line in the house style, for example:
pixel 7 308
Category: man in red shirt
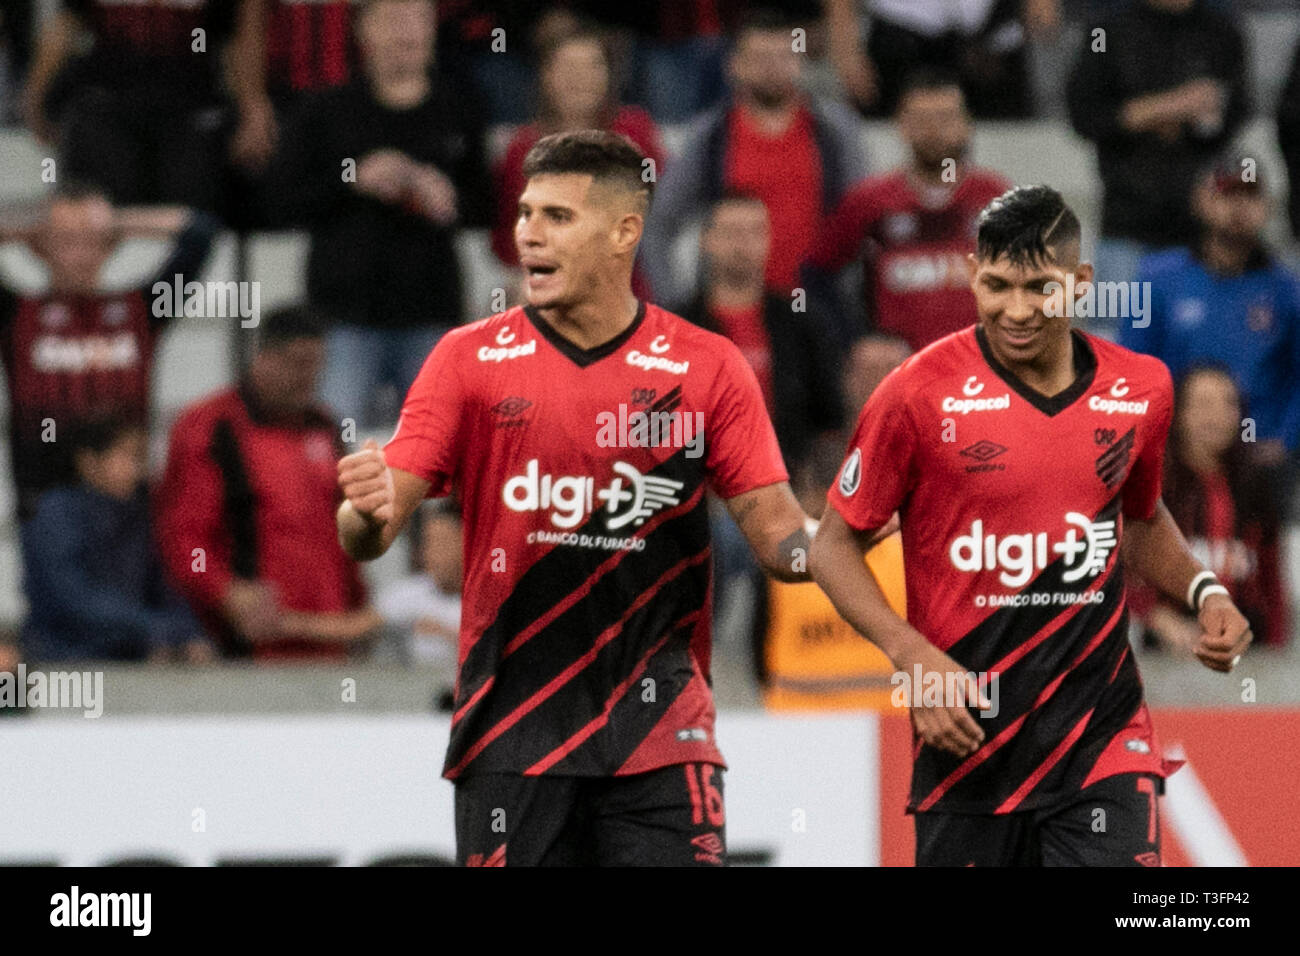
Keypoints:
pixel 1021 457
pixel 245 507
pixel 583 728
pixel 799 155
pixel 910 229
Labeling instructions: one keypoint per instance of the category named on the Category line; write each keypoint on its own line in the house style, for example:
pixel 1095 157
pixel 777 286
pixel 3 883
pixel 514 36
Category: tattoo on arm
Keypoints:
pixel 792 553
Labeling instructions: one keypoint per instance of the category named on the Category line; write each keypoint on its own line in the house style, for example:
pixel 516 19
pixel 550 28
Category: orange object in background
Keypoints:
pixel 813 659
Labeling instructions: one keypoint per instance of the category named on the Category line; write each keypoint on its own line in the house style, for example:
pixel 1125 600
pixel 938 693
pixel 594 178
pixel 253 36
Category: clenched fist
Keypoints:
pixel 368 484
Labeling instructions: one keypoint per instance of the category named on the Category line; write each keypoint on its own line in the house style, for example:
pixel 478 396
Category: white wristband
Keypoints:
pixel 1206 592
pixel 1196 582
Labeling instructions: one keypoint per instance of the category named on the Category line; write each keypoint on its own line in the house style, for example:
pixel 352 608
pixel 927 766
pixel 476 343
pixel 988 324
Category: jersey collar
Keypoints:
pixel 1085 366
pixel 580 356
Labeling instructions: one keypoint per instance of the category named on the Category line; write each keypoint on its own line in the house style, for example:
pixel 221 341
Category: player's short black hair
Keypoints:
pixel 927 79
pixel 288 323
pixel 607 157
pixel 1029 225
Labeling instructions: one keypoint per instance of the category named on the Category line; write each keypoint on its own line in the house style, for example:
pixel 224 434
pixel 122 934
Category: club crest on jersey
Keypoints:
pixel 851 473
pixel 627 500
pixel 1017 556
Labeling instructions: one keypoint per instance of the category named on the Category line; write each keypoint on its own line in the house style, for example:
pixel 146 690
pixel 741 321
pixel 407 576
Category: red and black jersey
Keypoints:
pixel 255 496
pixel 164 46
pixel 913 250
pixel 308 44
pixel 1012 507
pixel 71 358
pixel 585 631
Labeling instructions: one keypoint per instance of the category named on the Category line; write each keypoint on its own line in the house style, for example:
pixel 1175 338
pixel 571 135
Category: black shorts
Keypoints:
pixel 673 816
pixel 1114 822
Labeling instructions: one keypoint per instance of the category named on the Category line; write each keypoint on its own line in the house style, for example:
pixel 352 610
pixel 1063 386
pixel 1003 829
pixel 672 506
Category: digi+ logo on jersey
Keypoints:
pixel 628 499
pixel 1017 556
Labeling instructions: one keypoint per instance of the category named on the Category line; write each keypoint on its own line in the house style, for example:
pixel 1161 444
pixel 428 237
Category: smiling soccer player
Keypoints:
pixel 1022 457
pixel 583 725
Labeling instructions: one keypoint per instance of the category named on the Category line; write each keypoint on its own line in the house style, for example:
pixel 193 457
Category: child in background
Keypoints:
pixel 425 606
pixel 94 577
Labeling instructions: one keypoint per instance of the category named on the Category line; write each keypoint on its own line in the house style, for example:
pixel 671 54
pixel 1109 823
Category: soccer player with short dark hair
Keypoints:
pixel 582 431
pixel 1023 459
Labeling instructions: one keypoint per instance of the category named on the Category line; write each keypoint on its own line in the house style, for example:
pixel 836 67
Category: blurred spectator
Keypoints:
pixel 383 172
pixel 77 350
pixel 799 156
pixel 576 93
pixel 806 656
pixel 681 53
pixel 15 54
pixel 1228 298
pixel 868 361
pixel 1225 502
pixel 492 43
pixel 246 507
pixel 425 606
pixel 282 51
pixel 982 41
pixel 93 575
pixel 790 352
pixel 1288 139
pixel 1163 96
pixel 912 228
pixel 144 117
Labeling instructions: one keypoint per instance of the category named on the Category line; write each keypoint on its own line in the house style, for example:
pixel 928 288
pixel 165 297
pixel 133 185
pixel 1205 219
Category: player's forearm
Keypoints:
pixel 360 539
pixel 838 566
pixel 246 56
pixel 53 50
pixel 1158 552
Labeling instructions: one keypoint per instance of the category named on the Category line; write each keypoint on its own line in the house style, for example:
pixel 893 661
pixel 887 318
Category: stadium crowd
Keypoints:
pixel 386 129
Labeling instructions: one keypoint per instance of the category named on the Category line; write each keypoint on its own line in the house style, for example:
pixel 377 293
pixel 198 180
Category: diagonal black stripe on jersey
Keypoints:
pixel 669 401
pixel 1112 466
pixel 637 711
pixel 1085 688
pixel 557 575
pixel 1003 632
pixel 1008 627
pixel 570 706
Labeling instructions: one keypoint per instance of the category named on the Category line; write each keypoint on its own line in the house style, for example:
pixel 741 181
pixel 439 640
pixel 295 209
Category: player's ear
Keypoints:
pixel 972 267
pixel 1083 273
pixel 627 231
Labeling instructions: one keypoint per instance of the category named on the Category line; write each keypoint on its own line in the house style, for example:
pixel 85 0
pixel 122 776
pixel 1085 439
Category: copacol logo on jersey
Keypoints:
pixel 628 499
pixel 1017 556
pixel 658 361
pixel 971 403
pixel 507 347
pixel 1115 404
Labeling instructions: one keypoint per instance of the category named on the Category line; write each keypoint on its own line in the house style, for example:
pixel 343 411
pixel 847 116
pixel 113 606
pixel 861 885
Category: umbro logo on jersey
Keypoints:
pixel 984 451
pixel 1112 464
pixel 508 410
pixel 851 473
